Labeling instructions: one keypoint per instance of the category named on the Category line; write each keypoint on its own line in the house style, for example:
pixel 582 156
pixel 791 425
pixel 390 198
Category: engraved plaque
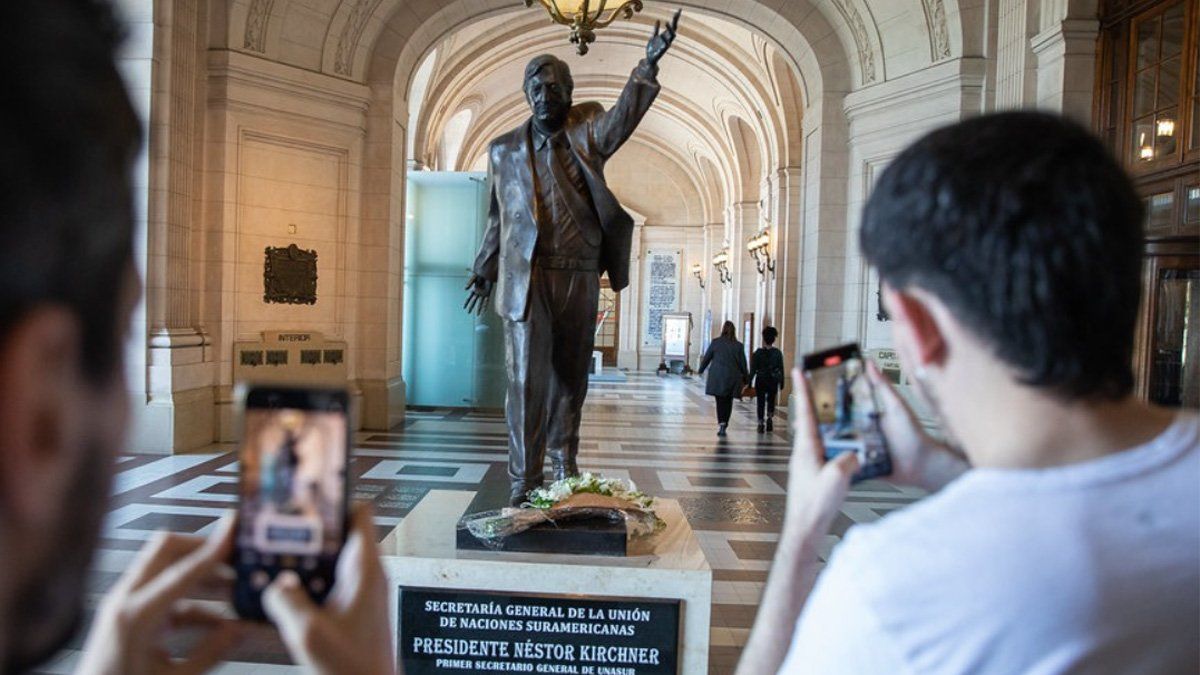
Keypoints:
pixel 448 630
pixel 290 275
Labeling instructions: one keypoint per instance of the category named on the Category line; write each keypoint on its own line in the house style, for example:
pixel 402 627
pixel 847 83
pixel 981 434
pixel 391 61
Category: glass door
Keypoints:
pixel 451 358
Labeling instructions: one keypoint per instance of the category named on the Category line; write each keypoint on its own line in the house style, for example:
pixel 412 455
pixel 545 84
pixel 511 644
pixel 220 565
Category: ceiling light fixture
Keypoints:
pixel 586 16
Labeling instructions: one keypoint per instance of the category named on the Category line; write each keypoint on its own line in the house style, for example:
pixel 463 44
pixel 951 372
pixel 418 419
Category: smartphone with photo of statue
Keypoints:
pixel 847 409
pixel 292 491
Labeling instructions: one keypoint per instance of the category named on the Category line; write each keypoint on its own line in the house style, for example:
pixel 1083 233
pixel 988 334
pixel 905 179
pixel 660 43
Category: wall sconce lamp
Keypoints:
pixel 759 247
pixel 698 272
pixel 721 262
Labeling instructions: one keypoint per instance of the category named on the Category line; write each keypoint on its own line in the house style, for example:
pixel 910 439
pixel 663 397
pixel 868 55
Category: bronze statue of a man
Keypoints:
pixel 553 228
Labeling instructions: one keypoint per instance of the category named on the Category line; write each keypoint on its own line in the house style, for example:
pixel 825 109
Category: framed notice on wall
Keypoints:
pixel 661 295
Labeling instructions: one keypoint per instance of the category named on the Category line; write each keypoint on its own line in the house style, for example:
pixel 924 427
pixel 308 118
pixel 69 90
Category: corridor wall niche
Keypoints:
pixel 451 358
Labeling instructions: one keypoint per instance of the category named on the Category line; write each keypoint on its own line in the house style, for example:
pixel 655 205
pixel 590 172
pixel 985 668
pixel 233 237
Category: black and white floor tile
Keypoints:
pixel 657 431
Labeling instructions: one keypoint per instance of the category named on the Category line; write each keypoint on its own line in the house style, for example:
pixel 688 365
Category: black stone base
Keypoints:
pixel 591 536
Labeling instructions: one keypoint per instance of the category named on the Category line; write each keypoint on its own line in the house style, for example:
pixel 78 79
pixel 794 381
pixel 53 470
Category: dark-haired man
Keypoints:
pixel 67 291
pixel 1068 540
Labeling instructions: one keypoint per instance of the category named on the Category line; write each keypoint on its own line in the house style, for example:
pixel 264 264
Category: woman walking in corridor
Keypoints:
pixel 729 373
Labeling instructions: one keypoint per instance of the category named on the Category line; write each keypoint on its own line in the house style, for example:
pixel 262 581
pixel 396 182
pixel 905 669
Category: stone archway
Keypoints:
pixel 415 28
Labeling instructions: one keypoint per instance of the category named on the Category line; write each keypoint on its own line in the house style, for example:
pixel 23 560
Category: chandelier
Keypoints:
pixel 585 16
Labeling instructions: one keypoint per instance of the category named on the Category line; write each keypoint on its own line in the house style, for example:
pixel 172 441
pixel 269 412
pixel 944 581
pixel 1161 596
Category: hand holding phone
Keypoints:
pixel 150 603
pixel 292 492
pixel 351 632
pixel 918 459
pixel 847 410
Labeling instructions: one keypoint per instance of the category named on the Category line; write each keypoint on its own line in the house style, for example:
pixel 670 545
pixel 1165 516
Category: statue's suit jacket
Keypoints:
pixel 506 253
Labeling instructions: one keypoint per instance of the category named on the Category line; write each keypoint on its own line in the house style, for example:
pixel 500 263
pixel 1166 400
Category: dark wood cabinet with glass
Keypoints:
pixel 1148 111
pixel 1148 105
pixel 1168 365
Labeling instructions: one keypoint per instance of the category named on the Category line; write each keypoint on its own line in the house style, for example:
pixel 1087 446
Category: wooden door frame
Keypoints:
pixel 610 353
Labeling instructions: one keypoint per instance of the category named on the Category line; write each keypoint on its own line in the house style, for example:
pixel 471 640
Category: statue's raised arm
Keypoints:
pixel 614 126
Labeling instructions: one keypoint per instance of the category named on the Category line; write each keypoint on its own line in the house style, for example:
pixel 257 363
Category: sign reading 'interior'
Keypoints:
pixel 445 631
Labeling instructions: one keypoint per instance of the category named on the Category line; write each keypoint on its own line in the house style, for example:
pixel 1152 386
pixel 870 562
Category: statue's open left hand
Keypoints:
pixel 661 41
pixel 479 290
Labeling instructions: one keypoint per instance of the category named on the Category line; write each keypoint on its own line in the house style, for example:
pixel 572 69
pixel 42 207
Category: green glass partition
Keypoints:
pixel 451 358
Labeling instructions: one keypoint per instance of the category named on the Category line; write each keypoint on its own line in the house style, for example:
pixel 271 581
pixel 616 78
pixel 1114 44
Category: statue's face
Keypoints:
pixel 549 98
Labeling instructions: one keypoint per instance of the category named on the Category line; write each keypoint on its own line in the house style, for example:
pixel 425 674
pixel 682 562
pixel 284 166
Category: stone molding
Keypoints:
pixel 352 31
pixel 1053 37
pixel 939 32
pixel 245 79
pixel 1065 54
pixel 862 41
pixel 175 338
pixel 876 110
pixel 255 38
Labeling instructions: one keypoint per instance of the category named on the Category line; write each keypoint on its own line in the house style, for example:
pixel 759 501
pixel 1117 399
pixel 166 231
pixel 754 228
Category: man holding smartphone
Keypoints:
pixel 68 288
pixel 1068 537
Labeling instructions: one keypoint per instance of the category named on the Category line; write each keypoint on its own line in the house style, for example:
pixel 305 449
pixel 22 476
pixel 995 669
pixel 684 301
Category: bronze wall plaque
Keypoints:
pixel 290 275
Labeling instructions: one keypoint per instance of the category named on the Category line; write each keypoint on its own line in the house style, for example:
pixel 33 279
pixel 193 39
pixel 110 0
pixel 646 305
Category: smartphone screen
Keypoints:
pixel 846 408
pixel 292 491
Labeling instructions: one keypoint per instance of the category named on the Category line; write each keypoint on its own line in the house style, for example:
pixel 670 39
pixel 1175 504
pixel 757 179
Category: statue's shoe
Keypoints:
pixel 566 470
pixel 519 494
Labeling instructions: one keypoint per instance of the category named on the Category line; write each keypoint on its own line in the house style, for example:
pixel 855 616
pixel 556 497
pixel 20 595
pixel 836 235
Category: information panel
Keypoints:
pixel 450 631
pixel 662 293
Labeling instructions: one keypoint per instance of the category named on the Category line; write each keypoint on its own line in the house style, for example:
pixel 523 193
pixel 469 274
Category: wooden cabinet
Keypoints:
pixel 1168 349
pixel 1148 105
pixel 1148 112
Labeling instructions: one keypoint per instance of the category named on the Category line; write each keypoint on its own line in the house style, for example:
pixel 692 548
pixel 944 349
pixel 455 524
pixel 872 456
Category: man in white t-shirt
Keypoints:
pixel 1065 537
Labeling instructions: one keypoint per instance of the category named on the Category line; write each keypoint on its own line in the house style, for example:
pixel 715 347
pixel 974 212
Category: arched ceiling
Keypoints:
pixel 760 61
pixel 716 72
pixel 881 38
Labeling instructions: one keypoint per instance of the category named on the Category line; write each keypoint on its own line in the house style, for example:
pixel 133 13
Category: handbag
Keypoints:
pixel 748 392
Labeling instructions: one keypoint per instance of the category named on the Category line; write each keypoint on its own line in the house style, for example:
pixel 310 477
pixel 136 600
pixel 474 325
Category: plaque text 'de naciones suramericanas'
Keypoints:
pixel 453 632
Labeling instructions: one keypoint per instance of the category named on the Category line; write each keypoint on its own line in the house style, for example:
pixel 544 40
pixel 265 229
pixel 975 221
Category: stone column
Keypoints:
pixel 630 339
pixel 714 290
pixel 745 218
pixel 1016 70
pixel 786 249
pixel 176 406
pixel 1065 49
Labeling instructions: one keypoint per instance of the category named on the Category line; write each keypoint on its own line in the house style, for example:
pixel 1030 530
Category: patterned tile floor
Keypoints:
pixel 659 431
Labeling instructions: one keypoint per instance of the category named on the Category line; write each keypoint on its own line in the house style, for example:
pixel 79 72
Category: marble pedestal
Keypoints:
pixel 421 553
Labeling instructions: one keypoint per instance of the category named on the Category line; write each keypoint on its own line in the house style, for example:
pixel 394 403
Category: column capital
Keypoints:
pixel 1068 30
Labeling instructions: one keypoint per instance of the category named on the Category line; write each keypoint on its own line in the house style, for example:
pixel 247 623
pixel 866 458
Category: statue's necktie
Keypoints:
pixel 570 184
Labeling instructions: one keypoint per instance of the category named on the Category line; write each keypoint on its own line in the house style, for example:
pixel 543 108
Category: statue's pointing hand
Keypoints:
pixel 661 41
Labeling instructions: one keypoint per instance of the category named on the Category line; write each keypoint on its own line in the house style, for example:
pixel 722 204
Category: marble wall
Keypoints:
pixel 287 121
